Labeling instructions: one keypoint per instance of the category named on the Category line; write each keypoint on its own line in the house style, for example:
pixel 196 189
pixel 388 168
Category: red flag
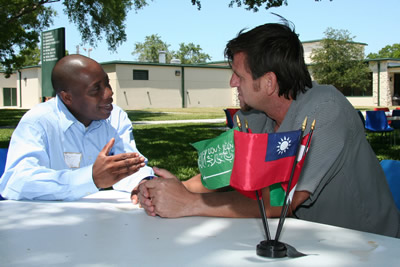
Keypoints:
pixel 303 150
pixel 262 160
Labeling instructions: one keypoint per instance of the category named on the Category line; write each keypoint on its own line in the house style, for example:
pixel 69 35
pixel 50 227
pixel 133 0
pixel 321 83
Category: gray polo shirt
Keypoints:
pixel 347 184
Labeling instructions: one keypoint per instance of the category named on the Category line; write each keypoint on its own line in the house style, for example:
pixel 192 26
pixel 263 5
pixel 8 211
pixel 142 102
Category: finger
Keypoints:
pixel 163 173
pixel 127 165
pixel 134 196
pixel 125 156
pixel 107 148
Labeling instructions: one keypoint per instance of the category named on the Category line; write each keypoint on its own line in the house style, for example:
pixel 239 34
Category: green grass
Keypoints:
pixel 168 146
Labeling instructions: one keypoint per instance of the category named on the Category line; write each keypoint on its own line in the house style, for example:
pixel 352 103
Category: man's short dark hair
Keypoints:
pixel 276 48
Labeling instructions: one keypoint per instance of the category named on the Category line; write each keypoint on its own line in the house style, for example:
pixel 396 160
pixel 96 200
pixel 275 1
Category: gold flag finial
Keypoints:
pixel 313 125
pixel 303 126
pixel 246 124
pixel 239 124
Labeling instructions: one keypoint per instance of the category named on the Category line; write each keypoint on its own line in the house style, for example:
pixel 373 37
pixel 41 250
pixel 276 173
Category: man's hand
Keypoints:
pixel 165 196
pixel 108 170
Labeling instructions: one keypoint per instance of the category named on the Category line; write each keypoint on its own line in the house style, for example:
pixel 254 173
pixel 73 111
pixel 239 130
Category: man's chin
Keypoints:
pixel 245 107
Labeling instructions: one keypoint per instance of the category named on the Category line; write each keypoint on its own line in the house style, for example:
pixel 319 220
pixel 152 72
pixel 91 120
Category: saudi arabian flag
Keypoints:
pixel 215 160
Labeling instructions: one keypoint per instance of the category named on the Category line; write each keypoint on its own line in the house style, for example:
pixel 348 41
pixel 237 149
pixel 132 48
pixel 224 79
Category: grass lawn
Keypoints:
pixel 168 146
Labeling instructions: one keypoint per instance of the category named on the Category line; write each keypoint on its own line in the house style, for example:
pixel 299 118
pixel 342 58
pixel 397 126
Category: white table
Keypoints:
pixel 105 229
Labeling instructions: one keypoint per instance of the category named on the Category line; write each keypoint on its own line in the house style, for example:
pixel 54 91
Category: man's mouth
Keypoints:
pixel 107 107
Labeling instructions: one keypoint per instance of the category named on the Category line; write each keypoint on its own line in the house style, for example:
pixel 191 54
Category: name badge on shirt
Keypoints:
pixel 72 159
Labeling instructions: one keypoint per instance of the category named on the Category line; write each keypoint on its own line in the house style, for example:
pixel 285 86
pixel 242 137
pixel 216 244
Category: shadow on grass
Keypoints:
pixel 384 147
pixel 11 117
pixel 141 115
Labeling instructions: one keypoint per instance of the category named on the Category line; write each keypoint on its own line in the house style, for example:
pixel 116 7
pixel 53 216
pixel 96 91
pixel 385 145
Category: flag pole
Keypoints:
pixel 260 200
pixel 286 203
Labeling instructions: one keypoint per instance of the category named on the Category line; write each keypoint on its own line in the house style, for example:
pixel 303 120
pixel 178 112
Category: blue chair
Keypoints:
pixel 376 121
pixel 229 113
pixel 395 123
pixel 392 173
pixel 3 158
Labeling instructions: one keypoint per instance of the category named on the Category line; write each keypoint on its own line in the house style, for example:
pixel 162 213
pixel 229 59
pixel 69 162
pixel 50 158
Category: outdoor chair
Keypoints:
pixel 376 122
pixel 3 158
pixel 395 123
pixel 384 109
pixel 230 113
pixel 391 169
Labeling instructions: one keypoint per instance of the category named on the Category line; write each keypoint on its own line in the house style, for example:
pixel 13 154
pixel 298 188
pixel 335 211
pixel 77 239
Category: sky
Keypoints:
pixel 372 22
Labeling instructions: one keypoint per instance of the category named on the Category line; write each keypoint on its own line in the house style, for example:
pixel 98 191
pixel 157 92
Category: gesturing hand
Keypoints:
pixel 108 170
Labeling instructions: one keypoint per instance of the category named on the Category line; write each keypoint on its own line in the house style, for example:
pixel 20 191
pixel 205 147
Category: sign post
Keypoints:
pixel 53 48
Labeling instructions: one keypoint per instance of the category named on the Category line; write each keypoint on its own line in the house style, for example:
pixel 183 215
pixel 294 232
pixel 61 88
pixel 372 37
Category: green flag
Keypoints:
pixel 215 160
pixel 215 163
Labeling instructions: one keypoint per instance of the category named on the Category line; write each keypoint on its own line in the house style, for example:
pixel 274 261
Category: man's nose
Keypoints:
pixel 108 92
pixel 234 82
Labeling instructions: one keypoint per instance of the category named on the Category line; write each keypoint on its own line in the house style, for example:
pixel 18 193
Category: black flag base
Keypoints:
pixel 272 249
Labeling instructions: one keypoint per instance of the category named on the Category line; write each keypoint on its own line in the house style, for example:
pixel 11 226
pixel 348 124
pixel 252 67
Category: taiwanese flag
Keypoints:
pixel 264 159
pixel 303 149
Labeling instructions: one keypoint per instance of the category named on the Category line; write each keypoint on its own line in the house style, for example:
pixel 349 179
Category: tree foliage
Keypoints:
pixel 191 54
pixel 340 62
pixel 253 5
pixel 389 51
pixel 22 21
pixel 149 50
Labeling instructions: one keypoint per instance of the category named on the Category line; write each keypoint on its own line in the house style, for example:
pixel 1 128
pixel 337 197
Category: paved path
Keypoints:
pixel 181 121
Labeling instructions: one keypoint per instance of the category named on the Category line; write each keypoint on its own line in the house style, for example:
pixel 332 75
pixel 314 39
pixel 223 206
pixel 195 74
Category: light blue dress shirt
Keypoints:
pixel 51 154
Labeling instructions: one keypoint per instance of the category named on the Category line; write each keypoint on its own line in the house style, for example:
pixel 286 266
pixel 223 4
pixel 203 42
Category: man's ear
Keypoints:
pixel 269 82
pixel 66 97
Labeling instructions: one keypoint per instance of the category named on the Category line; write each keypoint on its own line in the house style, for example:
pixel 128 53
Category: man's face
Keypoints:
pixel 243 81
pixel 91 94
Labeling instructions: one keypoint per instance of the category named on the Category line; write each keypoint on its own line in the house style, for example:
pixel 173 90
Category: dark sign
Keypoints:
pixel 53 48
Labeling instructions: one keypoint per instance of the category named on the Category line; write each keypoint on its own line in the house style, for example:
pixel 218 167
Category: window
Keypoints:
pixel 140 74
pixel 9 97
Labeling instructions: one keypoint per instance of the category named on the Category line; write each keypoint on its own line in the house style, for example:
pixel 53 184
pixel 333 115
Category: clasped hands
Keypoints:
pixel 165 195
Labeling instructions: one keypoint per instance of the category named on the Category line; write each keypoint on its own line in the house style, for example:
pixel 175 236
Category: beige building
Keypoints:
pixel 159 85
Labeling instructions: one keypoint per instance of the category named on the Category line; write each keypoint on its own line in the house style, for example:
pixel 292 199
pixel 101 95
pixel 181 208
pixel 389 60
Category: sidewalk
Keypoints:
pixel 180 121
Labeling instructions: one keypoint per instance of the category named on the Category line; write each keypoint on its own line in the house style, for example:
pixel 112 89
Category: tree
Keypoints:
pixel 253 5
pixel 389 51
pixel 340 62
pixel 150 49
pixel 31 57
pixel 22 21
pixel 191 54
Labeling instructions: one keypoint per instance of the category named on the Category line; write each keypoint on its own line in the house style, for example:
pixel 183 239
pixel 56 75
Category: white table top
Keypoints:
pixel 105 229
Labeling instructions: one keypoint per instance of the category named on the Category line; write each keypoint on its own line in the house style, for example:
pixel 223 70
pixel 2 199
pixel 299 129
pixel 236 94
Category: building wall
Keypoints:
pixel 308 47
pixel 170 86
pixel 162 90
pixel 30 93
pixel 203 86
pixel 208 87
pixel 6 83
pixel 382 82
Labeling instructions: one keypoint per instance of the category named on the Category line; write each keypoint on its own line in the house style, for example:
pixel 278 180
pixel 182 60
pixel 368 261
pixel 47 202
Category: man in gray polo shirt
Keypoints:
pixel 342 182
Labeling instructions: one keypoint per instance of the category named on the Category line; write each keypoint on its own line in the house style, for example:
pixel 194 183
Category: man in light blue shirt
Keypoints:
pixel 67 147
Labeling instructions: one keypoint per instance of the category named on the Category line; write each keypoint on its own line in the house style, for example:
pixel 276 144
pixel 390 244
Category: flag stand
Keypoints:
pixel 268 248
pixel 273 248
